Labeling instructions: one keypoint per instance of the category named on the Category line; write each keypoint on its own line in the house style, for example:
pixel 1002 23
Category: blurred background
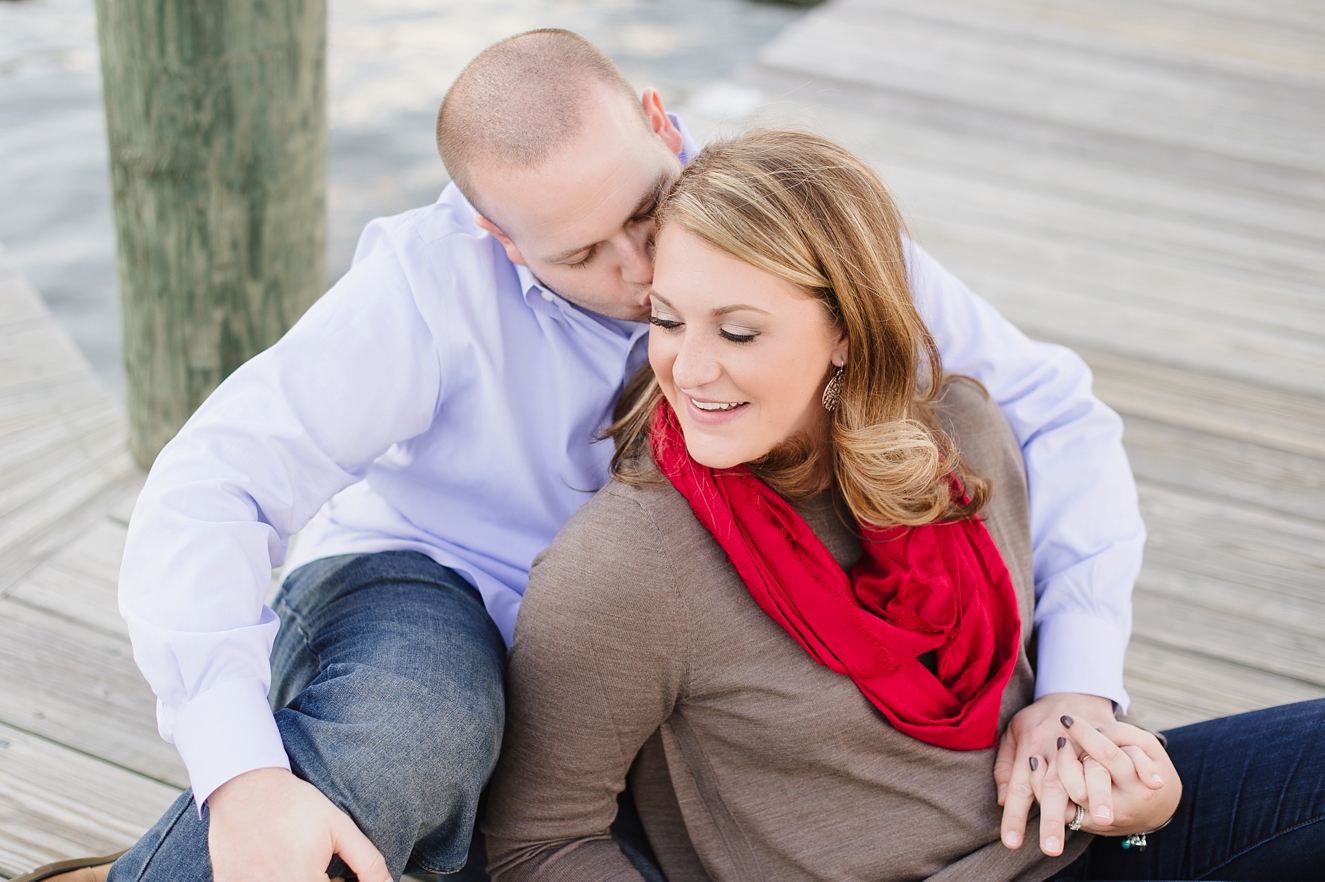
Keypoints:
pixel 389 62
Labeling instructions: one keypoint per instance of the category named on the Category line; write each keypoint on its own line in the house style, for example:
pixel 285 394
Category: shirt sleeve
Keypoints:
pixel 284 433
pixel 1086 529
pixel 597 665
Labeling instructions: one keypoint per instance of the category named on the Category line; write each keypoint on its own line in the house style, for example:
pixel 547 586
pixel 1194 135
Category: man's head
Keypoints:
pixel 546 138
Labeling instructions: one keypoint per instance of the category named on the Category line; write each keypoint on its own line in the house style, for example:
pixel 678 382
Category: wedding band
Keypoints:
pixel 1075 823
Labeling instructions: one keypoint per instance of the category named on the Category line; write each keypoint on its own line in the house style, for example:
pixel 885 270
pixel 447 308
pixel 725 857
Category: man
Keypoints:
pixel 429 425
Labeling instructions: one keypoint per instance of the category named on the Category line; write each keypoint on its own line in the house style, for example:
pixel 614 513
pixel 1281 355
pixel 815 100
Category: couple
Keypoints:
pixel 801 668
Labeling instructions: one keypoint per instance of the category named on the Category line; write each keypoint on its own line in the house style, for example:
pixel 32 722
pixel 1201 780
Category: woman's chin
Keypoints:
pixel 720 455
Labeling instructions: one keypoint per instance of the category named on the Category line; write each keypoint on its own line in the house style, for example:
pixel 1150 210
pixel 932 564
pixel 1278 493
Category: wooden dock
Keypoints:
pixel 1143 181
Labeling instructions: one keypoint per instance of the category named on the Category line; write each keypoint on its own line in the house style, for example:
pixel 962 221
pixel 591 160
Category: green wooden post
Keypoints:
pixel 216 117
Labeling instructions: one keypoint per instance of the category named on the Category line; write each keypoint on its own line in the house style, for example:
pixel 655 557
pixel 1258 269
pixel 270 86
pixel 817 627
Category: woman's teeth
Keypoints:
pixel 715 406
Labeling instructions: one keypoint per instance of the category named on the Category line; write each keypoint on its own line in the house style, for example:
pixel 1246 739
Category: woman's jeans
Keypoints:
pixel 388 676
pixel 1253 804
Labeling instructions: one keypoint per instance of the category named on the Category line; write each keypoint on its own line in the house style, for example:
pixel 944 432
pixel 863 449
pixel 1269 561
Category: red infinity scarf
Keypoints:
pixel 940 587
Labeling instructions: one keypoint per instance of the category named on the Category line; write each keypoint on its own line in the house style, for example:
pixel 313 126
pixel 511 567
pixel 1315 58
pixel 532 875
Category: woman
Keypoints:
pixel 799 618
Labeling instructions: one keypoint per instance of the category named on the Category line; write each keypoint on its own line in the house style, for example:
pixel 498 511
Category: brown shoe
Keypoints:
pixel 92 869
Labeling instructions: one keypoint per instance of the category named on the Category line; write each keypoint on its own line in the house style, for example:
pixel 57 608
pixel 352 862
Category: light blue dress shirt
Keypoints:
pixel 439 399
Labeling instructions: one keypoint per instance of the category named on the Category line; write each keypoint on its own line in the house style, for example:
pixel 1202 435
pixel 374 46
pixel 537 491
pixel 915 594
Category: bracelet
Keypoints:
pixel 1138 840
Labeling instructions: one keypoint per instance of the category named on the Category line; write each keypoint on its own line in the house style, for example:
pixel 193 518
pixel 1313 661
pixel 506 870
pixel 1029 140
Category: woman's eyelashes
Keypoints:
pixel 742 335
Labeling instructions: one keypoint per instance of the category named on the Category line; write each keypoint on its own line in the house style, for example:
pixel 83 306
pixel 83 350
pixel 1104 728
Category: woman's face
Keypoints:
pixel 741 354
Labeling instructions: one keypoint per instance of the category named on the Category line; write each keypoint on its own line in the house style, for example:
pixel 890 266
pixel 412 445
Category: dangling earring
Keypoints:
pixel 833 391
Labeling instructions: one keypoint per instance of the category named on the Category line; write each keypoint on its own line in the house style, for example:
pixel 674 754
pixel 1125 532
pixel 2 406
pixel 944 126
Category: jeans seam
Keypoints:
pixel 1231 858
pixel 298 621
pixel 161 840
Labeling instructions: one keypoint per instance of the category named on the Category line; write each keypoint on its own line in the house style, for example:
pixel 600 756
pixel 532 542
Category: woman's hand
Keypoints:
pixel 1035 732
pixel 1118 765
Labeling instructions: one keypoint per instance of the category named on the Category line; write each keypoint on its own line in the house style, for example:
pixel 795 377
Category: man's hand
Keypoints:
pixel 1033 734
pixel 269 826
pixel 1144 789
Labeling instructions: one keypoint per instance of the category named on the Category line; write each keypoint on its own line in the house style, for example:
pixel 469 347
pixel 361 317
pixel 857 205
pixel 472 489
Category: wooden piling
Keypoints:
pixel 216 118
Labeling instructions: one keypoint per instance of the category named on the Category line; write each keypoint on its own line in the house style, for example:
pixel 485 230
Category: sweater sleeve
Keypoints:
pixel 597 664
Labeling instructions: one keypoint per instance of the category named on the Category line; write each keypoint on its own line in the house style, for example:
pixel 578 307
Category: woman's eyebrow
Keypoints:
pixel 720 311
pixel 736 307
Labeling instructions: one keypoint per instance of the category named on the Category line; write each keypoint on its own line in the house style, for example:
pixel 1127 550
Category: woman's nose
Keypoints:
pixel 694 366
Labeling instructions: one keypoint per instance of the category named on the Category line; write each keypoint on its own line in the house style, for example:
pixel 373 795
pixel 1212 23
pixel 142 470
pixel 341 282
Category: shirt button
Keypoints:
pixel 547 295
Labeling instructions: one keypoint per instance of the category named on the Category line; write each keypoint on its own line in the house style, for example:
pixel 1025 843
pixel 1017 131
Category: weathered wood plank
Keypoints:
pixel 36 503
pixel 1248 205
pixel 1172 687
pixel 123 509
pixel 95 555
pixel 1074 77
pixel 1283 34
pixel 78 582
pixel 1239 471
pixel 35 350
pixel 64 516
pixel 57 803
pixel 52 408
pixel 1217 540
pixel 1218 405
pixel 57 438
pixel 78 686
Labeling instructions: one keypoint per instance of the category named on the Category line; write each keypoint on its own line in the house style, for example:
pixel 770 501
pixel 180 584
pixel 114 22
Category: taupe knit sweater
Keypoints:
pixel 638 651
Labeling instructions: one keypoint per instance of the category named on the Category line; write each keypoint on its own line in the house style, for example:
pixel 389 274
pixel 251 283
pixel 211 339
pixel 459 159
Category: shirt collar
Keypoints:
pixel 688 146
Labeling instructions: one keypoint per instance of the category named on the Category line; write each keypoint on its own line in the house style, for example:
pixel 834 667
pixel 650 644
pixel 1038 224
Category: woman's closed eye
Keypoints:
pixel 737 335
pixel 665 324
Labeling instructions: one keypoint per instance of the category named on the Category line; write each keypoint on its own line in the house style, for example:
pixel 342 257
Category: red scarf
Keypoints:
pixel 940 587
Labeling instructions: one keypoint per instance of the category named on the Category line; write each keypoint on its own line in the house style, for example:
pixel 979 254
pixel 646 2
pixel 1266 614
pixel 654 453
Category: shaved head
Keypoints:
pixel 521 100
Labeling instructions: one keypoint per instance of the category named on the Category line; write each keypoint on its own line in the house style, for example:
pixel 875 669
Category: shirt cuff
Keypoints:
pixel 1080 653
pixel 227 731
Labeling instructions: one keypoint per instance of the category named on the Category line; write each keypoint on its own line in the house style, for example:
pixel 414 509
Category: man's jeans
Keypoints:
pixel 388 675
pixel 1253 804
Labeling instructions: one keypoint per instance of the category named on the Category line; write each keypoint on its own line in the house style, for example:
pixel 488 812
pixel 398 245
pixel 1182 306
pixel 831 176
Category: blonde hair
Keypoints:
pixel 808 211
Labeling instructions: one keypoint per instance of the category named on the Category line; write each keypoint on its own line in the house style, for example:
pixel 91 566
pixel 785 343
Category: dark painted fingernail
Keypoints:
pixel 1066 721
pixel 1061 742
pixel 1035 763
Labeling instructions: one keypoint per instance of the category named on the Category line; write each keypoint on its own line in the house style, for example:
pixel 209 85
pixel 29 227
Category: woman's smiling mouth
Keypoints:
pixel 714 413
pixel 717 406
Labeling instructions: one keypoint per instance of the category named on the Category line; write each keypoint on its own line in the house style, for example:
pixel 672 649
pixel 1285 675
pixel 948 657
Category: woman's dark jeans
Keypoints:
pixel 1253 804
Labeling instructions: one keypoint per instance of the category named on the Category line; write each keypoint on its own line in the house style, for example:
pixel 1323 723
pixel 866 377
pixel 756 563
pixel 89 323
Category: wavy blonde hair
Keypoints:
pixel 808 211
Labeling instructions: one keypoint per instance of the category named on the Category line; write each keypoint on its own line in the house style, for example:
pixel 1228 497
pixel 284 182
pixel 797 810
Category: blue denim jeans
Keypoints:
pixel 387 680
pixel 1252 808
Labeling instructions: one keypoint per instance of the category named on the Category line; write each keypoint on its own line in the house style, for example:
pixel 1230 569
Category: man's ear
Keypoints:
pixel 660 122
pixel 512 252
